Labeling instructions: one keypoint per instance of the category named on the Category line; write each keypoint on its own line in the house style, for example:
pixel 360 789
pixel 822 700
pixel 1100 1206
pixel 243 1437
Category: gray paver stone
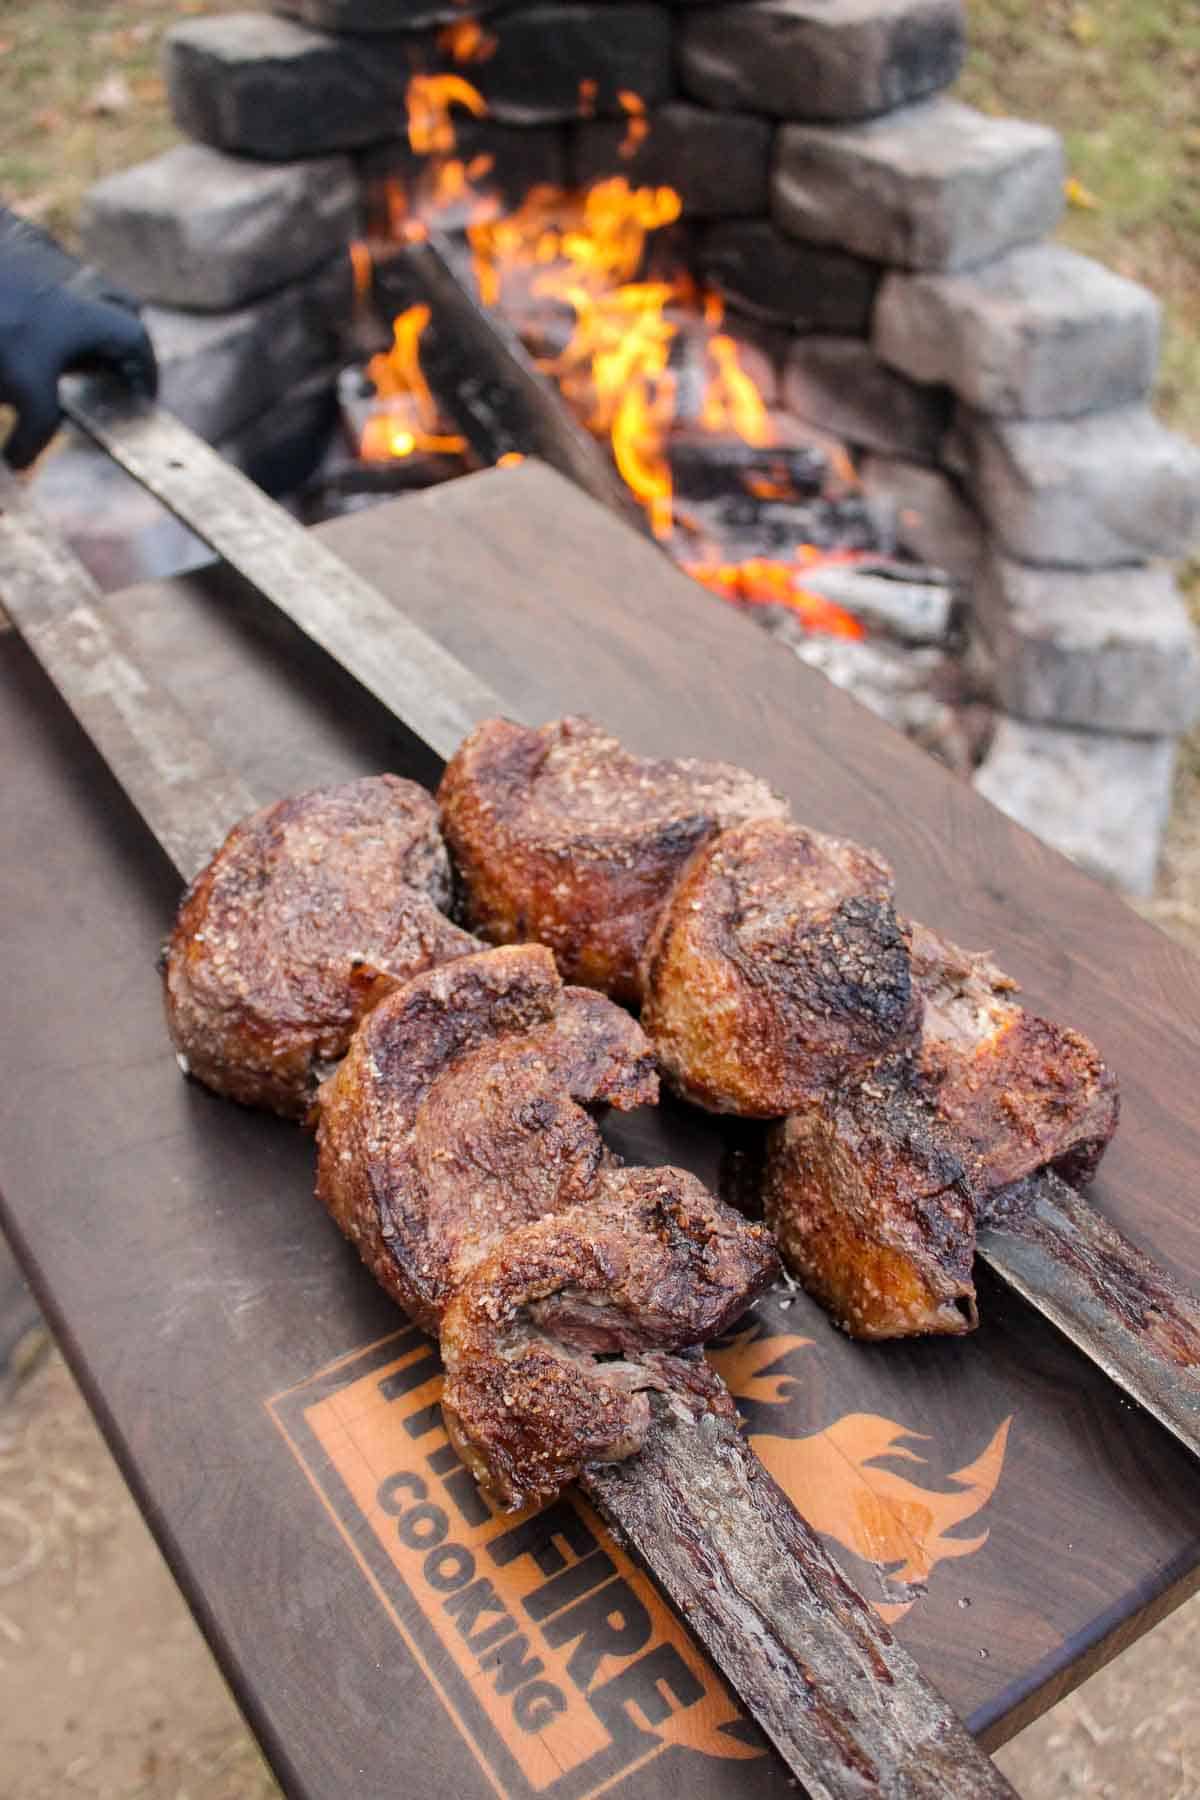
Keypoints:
pixel 771 276
pixel 199 229
pixel 841 385
pixel 938 186
pixel 934 522
pixel 1102 800
pixel 1089 493
pixel 807 59
pixel 1108 649
pixel 1040 333
pixel 218 371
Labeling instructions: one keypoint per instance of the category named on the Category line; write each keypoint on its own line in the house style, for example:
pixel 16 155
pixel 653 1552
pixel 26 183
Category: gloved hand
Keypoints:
pixel 55 316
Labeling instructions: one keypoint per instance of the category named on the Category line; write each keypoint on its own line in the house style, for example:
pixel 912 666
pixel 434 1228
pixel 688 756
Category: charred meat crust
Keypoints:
pixel 1022 1092
pixel 310 911
pixel 873 1186
pixel 651 1263
pixel 563 837
pixel 874 1210
pixel 458 1114
pixel 777 968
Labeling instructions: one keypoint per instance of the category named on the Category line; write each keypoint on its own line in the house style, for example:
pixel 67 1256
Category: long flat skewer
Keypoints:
pixel 843 1702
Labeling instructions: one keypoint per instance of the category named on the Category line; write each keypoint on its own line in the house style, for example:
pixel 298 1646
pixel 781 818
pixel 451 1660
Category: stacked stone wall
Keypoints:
pixel 892 239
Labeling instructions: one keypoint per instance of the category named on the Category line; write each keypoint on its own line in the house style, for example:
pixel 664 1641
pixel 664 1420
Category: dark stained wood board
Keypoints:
pixel 192 1278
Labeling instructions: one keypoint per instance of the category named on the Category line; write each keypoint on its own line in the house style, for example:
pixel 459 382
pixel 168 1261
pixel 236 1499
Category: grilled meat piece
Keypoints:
pixel 562 837
pixel 873 1209
pixel 454 1150
pixel 651 1264
pixel 777 968
pixel 1023 1093
pixel 873 1186
pixel 457 1116
pixel 310 911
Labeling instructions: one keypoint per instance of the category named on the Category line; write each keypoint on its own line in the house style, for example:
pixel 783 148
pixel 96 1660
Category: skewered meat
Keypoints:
pixel 1023 1093
pixel 777 968
pixel 453 1148
pixel 458 1115
pixel 310 911
pixel 650 1264
pixel 873 1186
pixel 563 837
pixel 873 1209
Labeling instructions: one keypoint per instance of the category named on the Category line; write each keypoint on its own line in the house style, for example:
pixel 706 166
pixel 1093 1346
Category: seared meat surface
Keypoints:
pixel 776 969
pixel 650 1264
pixel 563 837
pixel 458 1114
pixel 1023 1093
pixel 310 911
pixel 870 1200
pixel 454 1149
pixel 873 1186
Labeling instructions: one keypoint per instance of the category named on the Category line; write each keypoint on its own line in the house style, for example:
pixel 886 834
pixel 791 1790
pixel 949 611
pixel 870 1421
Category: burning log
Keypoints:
pixel 704 467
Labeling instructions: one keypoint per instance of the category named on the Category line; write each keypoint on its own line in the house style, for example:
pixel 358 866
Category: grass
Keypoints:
pixel 80 95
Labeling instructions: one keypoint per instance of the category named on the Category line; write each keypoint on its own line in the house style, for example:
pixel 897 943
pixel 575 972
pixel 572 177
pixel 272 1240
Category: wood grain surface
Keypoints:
pixel 1018 1519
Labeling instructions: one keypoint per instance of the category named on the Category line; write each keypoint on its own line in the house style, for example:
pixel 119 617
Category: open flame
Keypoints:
pixel 407 420
pixel 588 259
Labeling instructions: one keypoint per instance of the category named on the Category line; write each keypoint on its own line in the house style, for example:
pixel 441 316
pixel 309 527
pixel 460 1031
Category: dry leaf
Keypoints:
pixel 111 97
pixel 1081 198
pixel 1083 27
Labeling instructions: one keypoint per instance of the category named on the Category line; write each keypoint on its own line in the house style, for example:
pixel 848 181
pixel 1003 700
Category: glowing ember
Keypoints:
pixel 761 582
pixel 639 125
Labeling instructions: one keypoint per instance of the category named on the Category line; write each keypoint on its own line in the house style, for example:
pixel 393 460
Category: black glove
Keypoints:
pixel 55 316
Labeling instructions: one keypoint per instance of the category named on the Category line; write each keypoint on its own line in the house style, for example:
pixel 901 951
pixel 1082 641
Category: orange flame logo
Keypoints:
pixel 834 1477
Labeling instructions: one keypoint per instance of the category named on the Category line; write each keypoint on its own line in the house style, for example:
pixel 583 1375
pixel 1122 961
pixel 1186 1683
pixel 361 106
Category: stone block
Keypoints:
pixel 378 15
pixel 198 229
pixel 1041 333
pixel 772 277
pixel 555 62
pixel 268 87
pixel 1090 493
pixel 520 158
pixel 1109 649
pixel 807 59
pixel 841 385
pixel 1102 800
pixel 933 521
pixel 938 186
pixel 217 372
pixel 716 162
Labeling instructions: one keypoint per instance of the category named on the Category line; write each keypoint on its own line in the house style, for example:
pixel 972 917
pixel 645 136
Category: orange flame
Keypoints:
pixel 639 125
pixel 408 417
pixel 587 97
pixel 732 402
pixel 429 99
pixel 466 41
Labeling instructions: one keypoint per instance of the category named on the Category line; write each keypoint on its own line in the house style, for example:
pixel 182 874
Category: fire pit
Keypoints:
pixel 794 290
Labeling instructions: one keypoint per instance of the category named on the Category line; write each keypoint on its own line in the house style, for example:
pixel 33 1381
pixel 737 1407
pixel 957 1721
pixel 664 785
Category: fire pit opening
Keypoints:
pixel 748 272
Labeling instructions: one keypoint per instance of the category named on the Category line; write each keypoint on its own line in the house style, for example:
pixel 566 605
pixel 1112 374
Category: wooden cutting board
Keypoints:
pixel 275 1417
